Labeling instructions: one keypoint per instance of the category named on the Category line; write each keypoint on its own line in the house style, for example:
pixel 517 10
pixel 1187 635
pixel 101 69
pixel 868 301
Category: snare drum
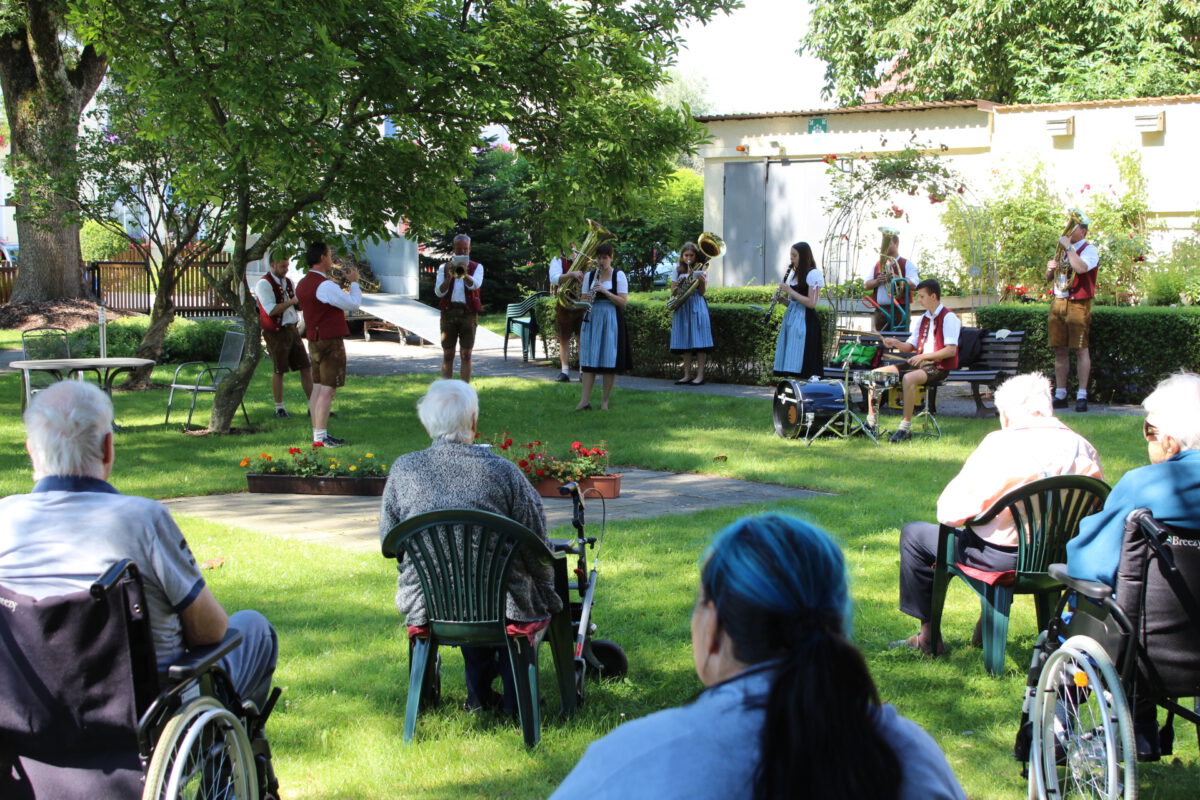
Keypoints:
pixel 801 405
pixel 881 380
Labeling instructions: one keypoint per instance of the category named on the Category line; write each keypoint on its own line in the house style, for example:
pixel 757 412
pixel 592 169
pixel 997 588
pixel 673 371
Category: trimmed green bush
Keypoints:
pixel 186 340
pixel 1132 349
pixel 744 348
pixel 98 243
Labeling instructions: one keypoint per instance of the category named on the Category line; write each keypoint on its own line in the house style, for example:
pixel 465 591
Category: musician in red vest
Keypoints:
pixel 460 304
pixel 892 310
pixel 934 341
pixel 276 295
pixel 324 306
pixel 568 322
pixel 1071 312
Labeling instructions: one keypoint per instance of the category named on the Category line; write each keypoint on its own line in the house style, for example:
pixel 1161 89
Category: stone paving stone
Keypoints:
pixel 353 522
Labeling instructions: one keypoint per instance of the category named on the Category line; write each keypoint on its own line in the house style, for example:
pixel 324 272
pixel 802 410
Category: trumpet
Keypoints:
pixel 710 247
pixel 585 261
pixel 1062 272
pixel 458 266
pixel 366 284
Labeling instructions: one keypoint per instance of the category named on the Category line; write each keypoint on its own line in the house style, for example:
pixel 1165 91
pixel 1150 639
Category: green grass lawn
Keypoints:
pixel 337 734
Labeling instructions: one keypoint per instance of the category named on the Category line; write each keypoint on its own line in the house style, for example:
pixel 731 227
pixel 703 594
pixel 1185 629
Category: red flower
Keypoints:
pixel 541 473
pixel 575 445
pixel 523 464
pixel 292 451
pixel 318 444
pixel 507 443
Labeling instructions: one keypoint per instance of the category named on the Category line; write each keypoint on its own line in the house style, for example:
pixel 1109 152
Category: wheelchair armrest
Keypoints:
pixel 199 660
pixel 108 580
pixel 1093 589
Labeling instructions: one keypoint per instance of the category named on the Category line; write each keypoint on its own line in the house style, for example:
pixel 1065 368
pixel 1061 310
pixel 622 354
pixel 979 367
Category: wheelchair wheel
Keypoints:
pixel 1082 731
pixel 202 753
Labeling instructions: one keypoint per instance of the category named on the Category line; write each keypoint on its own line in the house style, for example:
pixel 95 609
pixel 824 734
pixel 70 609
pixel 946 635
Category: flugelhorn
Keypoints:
pixel 458 266
pixel 709 247
pixel 1062 272
pixel 585 261
pixel 366 284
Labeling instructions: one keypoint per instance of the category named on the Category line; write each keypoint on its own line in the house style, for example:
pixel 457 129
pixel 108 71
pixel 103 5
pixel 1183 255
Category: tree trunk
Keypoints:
pixel 45 92
pixel 233 389
pixel 162 314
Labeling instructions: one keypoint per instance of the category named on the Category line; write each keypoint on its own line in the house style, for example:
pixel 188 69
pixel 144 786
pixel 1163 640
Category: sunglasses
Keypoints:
pixel 1149 431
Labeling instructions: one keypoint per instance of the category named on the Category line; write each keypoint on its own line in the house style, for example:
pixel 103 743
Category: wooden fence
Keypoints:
pixel 124 285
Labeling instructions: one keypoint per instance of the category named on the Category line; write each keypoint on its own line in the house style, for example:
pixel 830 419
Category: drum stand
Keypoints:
pixel 844 423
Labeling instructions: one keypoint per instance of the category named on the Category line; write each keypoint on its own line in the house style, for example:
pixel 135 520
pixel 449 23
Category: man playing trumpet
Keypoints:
pixel 460 304
pixel 1074 275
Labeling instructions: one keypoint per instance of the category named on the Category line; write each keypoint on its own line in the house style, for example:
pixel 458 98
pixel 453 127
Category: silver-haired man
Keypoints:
pixel 74 525
pixel 1030 444
pixel 454 473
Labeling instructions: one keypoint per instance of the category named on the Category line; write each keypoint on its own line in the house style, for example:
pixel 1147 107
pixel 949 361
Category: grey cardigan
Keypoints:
pixel 453 475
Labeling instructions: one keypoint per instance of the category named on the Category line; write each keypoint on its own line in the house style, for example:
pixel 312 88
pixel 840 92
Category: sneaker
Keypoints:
pixel 563 378
pixel 900 436
pixel 1081 405
pixel 336 439
pixel 330 441
pixel 1059 402
pixel 282 413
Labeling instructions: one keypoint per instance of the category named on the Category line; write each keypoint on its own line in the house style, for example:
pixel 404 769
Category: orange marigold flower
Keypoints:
pixel 245 462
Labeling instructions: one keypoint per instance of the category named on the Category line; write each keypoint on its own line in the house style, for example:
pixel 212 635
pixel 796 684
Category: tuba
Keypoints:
pixel 1063 273
pixel 585 261
pixel 710 247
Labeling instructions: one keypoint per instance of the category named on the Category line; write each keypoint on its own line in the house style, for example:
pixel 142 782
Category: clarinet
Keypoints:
pixel 775 300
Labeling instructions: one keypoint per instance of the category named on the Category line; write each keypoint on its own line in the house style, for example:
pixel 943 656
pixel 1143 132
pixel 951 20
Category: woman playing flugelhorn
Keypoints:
pixel 691 332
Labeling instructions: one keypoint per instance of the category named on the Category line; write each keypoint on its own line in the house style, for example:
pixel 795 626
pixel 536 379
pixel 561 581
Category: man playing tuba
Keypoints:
pixel 1077 264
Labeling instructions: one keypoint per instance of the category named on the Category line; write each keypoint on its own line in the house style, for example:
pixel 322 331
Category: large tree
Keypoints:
pixel 1034 51
pixel 47 79
pixel 283 103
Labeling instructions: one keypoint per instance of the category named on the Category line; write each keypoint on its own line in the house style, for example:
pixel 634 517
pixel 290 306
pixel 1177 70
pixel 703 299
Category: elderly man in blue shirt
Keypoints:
pixel 1169 486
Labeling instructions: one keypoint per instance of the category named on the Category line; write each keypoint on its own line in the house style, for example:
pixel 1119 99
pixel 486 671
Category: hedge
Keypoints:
pixel 1132 348
pixel 186 340
pixel 744 348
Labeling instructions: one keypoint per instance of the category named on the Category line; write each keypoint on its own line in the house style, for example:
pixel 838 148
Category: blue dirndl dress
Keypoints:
pixel 690 326
pixel 798 352
pixel 603 341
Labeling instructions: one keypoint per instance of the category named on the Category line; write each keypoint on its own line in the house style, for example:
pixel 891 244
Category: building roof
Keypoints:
pixel 1128 101
pixel 866 108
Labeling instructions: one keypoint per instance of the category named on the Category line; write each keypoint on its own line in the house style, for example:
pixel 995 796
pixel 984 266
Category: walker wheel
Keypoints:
pixel 613 661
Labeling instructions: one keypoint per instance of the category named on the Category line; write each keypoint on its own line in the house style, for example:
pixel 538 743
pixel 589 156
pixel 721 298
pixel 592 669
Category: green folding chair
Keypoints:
pixel 1046 513
pixel 463 558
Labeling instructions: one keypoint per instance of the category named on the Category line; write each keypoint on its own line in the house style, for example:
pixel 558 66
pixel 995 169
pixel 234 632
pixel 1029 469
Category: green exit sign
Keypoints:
pixel 818 125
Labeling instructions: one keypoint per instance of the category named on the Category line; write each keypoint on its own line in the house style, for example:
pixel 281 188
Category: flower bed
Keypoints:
pixel 315 471
pixel 535 460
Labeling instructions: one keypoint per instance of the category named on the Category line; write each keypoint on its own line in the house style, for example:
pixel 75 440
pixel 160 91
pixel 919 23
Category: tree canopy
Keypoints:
pixel 1035 51
pixel 346 116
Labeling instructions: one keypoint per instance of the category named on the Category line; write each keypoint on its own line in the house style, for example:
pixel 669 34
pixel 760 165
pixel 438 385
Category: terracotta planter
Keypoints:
pixel 609 486
pixel 296 484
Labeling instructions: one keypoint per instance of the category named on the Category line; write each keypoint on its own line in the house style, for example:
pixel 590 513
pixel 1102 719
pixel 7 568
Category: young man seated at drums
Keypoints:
pixel 934 341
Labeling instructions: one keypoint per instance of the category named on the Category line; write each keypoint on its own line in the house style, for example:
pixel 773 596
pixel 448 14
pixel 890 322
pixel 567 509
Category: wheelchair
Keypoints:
pixel 1110 657
pixel 87 713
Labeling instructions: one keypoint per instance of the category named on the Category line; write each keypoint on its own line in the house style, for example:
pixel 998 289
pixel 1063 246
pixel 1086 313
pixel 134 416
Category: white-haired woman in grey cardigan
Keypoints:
pixel 454 473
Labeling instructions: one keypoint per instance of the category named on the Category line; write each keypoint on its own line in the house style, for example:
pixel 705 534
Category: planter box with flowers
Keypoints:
pixel 585 465
pixel 313 471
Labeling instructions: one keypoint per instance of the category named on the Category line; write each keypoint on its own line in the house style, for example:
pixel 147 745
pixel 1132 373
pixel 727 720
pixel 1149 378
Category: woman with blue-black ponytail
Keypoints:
pixel 789 708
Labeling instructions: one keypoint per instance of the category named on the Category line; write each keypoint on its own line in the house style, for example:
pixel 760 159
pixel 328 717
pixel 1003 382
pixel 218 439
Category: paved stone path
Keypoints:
pixel 353 522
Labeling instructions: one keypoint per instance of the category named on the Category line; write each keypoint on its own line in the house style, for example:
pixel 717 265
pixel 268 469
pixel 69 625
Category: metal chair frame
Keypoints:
pixel 208 377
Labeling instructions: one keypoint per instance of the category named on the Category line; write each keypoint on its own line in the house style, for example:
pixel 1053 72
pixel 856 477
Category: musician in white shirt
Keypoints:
pixel 567 321
pixel 276 295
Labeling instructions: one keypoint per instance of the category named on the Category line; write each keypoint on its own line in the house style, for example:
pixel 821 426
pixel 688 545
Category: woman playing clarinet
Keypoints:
pixel 603 341
pixel 691 333
pixel 798 351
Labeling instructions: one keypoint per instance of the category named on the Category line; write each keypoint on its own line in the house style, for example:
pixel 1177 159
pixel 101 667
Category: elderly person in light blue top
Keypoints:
pixel 769 642
pixel 1169 486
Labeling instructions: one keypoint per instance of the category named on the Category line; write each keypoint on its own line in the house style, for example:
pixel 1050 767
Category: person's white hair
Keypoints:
pixel 1175 406
pixel 65 426
pixel 1023 396
pixel 449 410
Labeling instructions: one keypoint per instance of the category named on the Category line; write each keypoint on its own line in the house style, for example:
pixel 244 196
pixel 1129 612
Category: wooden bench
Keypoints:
pixel 998 360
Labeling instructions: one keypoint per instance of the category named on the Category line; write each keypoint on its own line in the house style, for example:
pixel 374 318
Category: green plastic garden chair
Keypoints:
pixel 1046 513
pixel 462 558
